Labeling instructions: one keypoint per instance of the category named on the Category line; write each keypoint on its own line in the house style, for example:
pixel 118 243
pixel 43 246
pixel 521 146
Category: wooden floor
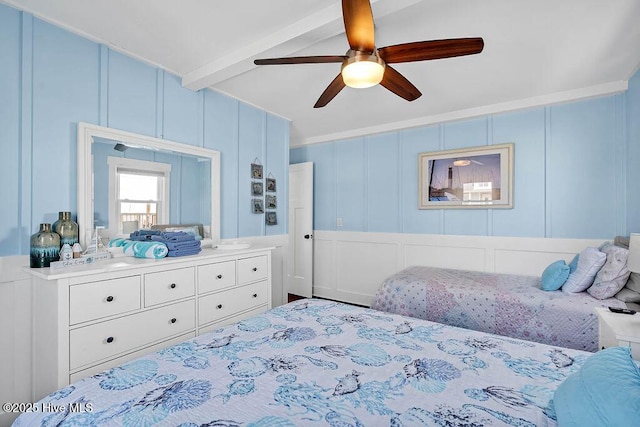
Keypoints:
pixel 293 297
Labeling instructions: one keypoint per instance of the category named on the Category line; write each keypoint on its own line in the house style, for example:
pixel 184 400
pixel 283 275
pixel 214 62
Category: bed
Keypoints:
pixel 319 362
pixel 503 304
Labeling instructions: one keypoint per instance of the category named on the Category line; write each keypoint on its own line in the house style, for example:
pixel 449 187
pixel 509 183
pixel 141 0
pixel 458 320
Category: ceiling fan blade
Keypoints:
pixel 301 60
pixel 358 23
pixel 433 49
pixel 398 84
pixel 330 92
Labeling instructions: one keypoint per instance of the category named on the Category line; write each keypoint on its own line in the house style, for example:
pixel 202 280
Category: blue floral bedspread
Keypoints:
pixel 317 362
pixel 503 304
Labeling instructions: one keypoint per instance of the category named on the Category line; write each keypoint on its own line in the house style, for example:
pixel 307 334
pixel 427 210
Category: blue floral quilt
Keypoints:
pixel 321 363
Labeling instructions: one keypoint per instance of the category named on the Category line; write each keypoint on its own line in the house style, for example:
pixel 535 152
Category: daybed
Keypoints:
pixel 317 362
pixel 503 304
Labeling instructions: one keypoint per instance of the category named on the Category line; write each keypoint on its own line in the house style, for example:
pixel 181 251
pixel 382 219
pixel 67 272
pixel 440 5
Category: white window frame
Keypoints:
pixel 116 163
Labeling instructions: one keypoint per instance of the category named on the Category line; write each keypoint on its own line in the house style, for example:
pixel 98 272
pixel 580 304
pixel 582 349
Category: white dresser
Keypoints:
pixel 91 318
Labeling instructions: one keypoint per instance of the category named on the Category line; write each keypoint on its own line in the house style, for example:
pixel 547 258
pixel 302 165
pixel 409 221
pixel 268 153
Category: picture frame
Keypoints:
pixel 271 185
pixel 256 188
pixel 256 171
pixel 476 177
pixel 257 207
pixel 271 218
pixel 270 201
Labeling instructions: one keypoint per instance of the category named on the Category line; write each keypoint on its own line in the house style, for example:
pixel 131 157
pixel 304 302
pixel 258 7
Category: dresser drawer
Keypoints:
pixel 169 285
pixel 233 319
pixel 103 340
pixel 127 357
pixel 252 269
pixel 222 304
pixel 95 300
pixel 215 277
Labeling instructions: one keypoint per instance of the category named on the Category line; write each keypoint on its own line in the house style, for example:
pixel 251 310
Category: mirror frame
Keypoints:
pixel 86 134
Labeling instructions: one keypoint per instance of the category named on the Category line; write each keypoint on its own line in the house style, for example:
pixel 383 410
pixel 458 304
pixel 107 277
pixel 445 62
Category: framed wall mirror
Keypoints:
pixel 128 181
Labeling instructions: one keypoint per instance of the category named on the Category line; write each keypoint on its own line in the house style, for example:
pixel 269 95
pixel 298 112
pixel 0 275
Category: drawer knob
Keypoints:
pixel 219 276
pixel 110 340
pixel 255 268
pixel 172 286
pixel 174 320
pixel 219 306
pixel 109 298
pixel 255 295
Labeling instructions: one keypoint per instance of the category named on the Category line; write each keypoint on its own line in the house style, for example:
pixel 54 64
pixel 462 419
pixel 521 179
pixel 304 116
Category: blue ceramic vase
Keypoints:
pixel 45 247
pixel 66 228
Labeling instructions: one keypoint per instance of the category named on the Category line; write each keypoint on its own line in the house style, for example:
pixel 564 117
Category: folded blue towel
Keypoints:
pixel 173 236
pixel 194 244
pixel 144 235
pixel 154 250
pixel 184 252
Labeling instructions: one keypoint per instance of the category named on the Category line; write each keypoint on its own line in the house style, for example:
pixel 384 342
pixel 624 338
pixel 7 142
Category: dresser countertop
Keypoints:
pixel 124 263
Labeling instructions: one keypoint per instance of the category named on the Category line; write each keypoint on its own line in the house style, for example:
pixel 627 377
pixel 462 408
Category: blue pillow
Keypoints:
pixel 554 276
pixel 604 392
pixel 574 264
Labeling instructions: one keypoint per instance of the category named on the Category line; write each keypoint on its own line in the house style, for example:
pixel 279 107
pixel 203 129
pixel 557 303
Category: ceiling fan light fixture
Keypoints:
pixel 362 71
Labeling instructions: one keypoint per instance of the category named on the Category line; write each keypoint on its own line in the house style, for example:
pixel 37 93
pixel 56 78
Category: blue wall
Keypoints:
pixel 576 174
pixel 632 169
pixel 51 79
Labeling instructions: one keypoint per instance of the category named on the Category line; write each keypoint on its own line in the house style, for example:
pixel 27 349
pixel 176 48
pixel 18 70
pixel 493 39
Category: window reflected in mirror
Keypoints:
pixel 128 182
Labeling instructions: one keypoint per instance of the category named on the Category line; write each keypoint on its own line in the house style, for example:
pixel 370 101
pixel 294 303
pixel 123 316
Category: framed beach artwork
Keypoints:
pixel 257 206
pixel 256 170
pixel 476 177
pixel 271 218
pixel 271 202
pixel 256 188
pixel 271 185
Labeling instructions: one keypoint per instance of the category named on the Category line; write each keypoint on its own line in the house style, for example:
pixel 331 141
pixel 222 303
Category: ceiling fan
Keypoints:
pixel 364 65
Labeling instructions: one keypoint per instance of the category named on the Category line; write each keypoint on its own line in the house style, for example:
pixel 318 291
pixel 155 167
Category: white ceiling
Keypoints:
pixel 536 52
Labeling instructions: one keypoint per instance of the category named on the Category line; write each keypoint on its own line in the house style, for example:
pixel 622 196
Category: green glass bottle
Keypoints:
pixel 66 228
pixel 45 247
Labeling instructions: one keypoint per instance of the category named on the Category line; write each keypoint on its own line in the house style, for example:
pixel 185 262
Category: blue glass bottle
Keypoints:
pixel 45 247
pixel 66 228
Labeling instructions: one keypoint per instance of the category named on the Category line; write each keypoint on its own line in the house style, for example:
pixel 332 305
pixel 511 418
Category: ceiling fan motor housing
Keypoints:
pixel 362 69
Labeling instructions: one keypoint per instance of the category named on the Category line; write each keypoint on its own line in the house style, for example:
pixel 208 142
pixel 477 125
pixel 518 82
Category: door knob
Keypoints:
pixel 308 236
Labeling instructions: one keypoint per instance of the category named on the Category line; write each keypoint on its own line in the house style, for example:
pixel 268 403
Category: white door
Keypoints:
pixel 300 265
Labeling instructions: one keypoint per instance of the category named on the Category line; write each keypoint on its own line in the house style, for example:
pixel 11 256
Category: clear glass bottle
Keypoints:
pixel 66 228
pixel 45 247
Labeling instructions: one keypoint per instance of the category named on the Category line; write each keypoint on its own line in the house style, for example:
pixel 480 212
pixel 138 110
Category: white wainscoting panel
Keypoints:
pixel 324 270
pixel 354 261
pixel 15 337
pixel 530 263
pixel 444 256
pixel 351 266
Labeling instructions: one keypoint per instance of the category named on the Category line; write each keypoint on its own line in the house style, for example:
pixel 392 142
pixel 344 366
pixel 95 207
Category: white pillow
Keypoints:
pixel 613 275
pixel 590 261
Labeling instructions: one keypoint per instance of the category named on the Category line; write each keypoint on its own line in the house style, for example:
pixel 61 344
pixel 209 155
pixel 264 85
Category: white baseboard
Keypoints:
pixel 350 266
